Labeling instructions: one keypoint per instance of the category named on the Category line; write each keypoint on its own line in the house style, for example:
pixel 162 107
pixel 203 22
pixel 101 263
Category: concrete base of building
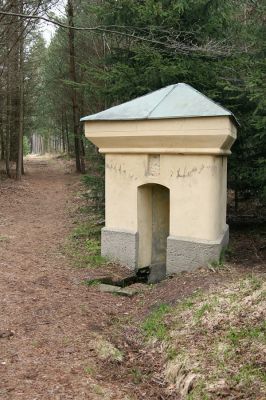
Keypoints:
pixel 185 254
pixel 120 246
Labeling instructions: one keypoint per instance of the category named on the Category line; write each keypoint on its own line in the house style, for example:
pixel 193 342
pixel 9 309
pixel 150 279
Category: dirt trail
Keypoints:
pixel 54 320
pixel 40 300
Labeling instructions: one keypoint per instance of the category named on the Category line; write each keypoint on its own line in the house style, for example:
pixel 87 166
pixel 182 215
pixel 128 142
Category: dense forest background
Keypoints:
pixel 109 51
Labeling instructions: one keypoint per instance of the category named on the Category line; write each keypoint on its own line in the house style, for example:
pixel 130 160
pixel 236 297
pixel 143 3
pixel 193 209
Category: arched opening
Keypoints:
pixel 153 224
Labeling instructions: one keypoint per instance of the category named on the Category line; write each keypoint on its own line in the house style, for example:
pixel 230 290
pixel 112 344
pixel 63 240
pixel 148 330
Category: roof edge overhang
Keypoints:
pixel 229 115
pixel 176 136
pixel 166 151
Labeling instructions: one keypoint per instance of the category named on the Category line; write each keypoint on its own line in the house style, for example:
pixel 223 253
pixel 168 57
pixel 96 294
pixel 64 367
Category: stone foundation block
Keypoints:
pixel 184 254
pixel 120 246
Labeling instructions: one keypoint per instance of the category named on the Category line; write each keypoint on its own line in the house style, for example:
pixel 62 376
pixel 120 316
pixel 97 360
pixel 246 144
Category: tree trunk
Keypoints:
pixel 2 144
pixel 236 200
pixel 63 133
pixel 19 169
pixel 67 134
pixel 80 165
pixel 8 125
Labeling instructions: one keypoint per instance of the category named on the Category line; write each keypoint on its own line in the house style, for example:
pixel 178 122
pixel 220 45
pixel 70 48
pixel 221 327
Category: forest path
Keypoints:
pixel 41 302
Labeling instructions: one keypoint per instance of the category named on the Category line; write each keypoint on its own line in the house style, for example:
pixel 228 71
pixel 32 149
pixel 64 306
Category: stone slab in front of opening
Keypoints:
pixel 121 246
pixel 103 287
pixel 188 255
pixel 127 291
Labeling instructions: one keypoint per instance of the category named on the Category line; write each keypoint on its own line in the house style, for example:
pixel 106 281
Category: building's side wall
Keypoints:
pixel 197 192
pixel 197 185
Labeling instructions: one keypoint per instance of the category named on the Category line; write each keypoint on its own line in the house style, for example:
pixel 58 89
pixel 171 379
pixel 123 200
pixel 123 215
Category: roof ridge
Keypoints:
pixel 164 97
pixel 214 102
pixel 206 97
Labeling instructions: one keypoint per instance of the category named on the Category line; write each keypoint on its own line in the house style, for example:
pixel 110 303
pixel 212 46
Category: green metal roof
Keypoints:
pixel 174 101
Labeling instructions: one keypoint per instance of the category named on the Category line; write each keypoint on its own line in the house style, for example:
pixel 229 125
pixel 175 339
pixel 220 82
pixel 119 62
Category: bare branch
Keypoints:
pixel 169 39
pixel 60 24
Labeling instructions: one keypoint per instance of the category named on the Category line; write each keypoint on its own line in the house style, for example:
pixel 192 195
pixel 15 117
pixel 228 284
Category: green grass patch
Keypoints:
pixel 225 255
pixel 205 308
pixel 171 353
pixel 248 373
pixel 251 332
pixel 84 244
pixel 256 283
pixel 154 325
pixel 85 258
pixel 89 370
pixel 4 238
pixel 86 230
pixel 199 392
pixel 137 375
pixel 191 301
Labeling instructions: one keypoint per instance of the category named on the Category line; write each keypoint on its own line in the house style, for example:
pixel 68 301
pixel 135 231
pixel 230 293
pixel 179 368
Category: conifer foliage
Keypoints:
pixel 129 48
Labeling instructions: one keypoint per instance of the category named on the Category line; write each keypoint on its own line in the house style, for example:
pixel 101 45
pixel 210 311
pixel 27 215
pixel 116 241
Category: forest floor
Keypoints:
pixel 61 339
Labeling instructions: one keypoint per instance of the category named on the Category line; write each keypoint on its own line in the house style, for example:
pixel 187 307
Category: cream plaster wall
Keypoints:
pixel 197 186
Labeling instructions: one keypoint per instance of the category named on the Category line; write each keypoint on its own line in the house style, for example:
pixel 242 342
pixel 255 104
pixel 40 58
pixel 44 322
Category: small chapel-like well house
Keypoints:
pixel 166 178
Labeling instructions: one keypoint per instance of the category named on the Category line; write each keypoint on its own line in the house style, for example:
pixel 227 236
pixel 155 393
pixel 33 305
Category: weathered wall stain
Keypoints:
pixel 120 169
pixel 187 173
pixel 154 169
